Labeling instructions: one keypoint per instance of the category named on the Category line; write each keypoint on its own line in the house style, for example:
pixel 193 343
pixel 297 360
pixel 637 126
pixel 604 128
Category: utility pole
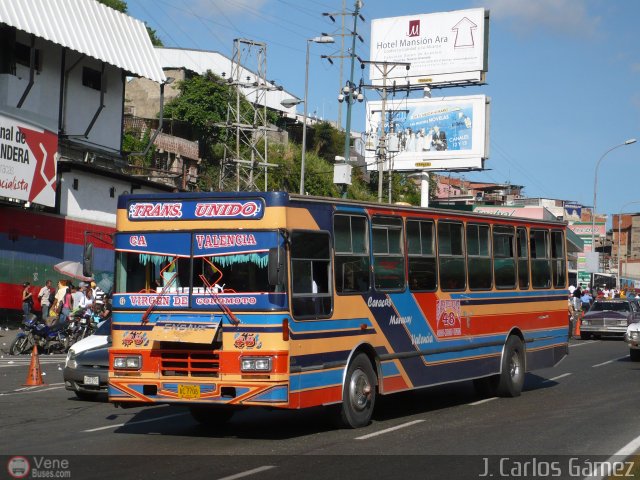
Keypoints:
pixel 343 35
pixel 347 128
pixel 385 68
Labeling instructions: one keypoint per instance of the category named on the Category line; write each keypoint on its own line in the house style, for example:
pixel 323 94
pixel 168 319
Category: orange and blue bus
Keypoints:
pixel 230 300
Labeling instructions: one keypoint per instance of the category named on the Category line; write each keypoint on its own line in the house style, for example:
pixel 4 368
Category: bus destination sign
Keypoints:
pixel 196 210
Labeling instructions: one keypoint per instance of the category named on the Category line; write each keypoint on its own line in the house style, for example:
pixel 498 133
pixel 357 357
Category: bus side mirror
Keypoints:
pixel 276 266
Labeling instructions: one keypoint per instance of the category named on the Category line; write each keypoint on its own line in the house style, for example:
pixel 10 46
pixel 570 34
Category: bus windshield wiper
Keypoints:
pixel 156 300
pixel 227 311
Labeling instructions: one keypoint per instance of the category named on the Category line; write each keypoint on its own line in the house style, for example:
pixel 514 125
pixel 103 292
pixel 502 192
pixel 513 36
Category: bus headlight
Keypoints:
pixel 131 362
pixel 255 364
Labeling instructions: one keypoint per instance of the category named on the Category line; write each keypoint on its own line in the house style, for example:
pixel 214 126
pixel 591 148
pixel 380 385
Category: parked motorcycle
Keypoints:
pixel 82 324
pixel 49 339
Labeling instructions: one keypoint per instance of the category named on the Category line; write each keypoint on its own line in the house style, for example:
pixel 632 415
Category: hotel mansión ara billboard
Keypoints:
pixel 442 48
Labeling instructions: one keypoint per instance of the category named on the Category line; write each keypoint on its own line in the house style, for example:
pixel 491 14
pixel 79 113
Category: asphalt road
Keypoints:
pixel 583 408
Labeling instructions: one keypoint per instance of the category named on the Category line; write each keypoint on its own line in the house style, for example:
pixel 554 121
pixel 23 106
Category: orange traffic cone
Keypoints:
pixel 577 333
pixel 35 374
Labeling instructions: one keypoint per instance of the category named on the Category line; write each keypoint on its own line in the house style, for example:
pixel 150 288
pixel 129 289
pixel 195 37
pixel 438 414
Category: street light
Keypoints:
pixel 619 218
pixel 595 186
pixel 322 39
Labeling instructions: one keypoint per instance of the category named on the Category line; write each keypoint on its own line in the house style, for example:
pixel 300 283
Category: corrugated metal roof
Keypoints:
pixel 88 27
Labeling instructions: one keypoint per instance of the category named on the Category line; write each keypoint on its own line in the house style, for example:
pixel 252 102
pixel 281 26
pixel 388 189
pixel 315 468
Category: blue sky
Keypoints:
pixel 564 78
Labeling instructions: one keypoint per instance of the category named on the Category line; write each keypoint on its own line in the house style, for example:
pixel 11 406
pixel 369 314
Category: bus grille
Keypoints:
pixel 184 363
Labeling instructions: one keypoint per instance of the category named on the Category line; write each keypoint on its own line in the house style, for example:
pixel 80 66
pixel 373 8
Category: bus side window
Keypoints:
pixel 540 258
pixel 351 244
pixel 310 274
pixel 523 259
pixel 388 256
pixel 423 270
pixel 479 257
pixel 558 259
pixel 451 256
pixel 504 264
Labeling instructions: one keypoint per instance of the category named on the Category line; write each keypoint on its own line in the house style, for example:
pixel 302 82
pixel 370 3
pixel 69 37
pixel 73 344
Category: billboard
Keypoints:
pixel 27 162
pixel 447 47
pixel 429 133
pixel 586 229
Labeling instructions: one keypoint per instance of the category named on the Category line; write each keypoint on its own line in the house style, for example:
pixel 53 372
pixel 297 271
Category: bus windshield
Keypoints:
pixel 198 264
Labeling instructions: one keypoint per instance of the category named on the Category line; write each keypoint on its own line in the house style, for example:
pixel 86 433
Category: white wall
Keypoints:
pixel 42 104
pixel 93 195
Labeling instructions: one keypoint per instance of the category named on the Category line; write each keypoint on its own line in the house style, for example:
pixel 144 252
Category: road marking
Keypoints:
pixel 609 361
pixel 479 402
pixel 629 449
pixel 134 423
pixel 29 391
pixel 583 343
pixel 387 430
pixel 248 472
pixel 556 378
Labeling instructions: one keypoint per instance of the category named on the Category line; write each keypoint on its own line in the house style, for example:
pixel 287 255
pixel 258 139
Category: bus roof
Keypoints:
pixel 283 199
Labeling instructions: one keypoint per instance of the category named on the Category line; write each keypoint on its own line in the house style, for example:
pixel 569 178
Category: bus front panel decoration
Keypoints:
pixel 288 301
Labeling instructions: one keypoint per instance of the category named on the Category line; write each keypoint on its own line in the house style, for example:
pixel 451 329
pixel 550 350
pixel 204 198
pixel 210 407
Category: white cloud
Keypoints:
pixel 563 16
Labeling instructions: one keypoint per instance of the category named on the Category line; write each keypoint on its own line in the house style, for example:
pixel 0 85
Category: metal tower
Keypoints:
pixel 245 159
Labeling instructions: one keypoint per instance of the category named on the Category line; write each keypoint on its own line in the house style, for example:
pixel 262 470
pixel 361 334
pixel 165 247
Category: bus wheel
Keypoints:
pixel 358 393
pixel 512 376
pixel 211 416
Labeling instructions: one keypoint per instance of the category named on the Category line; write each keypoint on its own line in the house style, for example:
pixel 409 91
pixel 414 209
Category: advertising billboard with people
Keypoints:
pixel 429 132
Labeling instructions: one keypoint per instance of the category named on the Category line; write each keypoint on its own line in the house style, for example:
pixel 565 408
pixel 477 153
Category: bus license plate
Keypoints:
pixel 189 391
pixel 91 380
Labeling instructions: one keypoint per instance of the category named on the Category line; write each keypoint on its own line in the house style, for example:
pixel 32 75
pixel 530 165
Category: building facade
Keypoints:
pixel 63 70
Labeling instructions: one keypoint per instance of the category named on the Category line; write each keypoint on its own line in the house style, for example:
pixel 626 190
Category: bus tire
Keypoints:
pixel 211 415
pixel 358 393
pixel 513 368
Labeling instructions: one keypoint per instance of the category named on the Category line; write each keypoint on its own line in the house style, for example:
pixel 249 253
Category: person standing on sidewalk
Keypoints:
pixel 44 296
pixel 27 299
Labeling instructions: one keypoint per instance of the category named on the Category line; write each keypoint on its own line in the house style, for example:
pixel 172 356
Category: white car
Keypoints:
pixel 100 338
pixel 632 337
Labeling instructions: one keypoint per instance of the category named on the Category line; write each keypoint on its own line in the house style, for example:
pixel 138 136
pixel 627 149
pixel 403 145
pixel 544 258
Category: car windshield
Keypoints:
pixel 610 306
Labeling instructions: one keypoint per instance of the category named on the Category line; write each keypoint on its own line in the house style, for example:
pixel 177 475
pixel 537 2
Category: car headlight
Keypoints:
pixel 633 334
pixel 130 362
pixel 255 364
pixel 586 322
pixel 71 360
pixel 622 322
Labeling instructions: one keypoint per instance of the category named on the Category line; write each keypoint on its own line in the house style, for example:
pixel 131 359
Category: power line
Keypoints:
pixel 515 163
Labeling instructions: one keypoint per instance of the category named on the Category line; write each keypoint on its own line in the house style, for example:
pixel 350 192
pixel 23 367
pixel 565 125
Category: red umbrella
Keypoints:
pixel 71 269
